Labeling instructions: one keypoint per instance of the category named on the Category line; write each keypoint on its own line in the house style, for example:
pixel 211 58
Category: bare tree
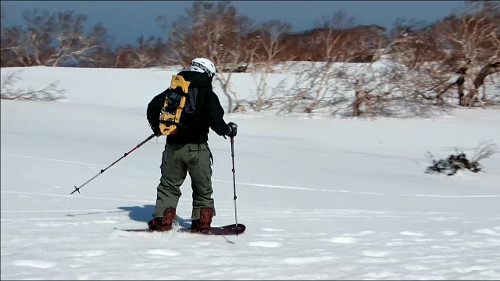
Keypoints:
pixel 39 36
pixel 52 39
pixel 14 48
pixel 374 90
pixel 149 52
pixel 417 55
pixel 457 53
pixel 32 46
pixel 217 32
pixel 170 55
pixel 332 37
pixel 330 43
pixel 473 41
pixel 267 49
pixel 73 45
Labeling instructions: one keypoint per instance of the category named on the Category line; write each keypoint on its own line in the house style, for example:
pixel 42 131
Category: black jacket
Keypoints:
pixel 194 127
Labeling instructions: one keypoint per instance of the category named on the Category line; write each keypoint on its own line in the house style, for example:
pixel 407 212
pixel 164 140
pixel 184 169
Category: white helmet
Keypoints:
pixel 204 66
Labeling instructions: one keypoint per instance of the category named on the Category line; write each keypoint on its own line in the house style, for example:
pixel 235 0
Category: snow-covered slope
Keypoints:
pixel 321 198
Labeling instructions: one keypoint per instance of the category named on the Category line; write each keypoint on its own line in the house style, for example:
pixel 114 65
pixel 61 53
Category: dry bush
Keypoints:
pixel 459 161
pixel 10 92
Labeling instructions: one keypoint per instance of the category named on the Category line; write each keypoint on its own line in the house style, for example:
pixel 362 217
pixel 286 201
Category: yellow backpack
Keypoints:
pixel 174 104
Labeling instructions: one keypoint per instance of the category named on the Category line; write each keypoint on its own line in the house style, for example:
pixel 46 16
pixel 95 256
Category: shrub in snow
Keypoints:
pixel 9 91
pixel 459 161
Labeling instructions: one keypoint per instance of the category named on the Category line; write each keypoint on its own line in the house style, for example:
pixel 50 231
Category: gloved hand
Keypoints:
pixel 233 129
pixel 156 130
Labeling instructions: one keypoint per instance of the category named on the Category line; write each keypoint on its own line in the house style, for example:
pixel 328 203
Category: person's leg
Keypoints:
pixel 173 174
pixel 200 171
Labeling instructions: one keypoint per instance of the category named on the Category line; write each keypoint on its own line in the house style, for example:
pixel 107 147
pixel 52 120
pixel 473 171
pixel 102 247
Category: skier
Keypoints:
pixel 187 151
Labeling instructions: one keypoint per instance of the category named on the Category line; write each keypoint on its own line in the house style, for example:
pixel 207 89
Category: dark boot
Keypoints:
pixel 164 223
pixel 203 224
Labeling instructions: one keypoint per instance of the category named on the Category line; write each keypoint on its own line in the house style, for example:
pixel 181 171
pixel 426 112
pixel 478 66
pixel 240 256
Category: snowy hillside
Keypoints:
pixel 322 198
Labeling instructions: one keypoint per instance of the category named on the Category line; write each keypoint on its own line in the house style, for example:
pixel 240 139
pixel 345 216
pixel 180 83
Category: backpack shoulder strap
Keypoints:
pixel 192 96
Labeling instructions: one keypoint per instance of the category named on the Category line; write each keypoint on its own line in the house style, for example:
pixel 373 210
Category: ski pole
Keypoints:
pixel 234 187
pixel 103 170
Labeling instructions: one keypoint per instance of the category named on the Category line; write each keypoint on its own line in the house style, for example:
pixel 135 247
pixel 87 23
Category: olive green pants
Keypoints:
pixel 178 160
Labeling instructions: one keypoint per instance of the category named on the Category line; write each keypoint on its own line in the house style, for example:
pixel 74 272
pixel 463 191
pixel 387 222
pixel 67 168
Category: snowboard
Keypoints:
pixel 230 229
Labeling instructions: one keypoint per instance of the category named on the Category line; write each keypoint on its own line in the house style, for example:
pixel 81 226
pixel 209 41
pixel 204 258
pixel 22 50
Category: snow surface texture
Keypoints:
pixel 321 198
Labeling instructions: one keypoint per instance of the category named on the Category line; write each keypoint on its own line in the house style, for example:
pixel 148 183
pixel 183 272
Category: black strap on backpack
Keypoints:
pixel 190 106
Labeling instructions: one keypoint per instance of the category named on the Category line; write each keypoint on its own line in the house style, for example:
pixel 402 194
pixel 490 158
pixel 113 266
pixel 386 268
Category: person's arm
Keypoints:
pixel 153 112
pixel 216 116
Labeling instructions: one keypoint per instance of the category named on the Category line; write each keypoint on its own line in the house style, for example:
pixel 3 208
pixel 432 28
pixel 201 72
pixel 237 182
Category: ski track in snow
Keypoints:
pixel 265 244
pixel 35 263
pixel 163 253
pixel 275 186
pixel 74 196
pixel 55 160
pixel 472 196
